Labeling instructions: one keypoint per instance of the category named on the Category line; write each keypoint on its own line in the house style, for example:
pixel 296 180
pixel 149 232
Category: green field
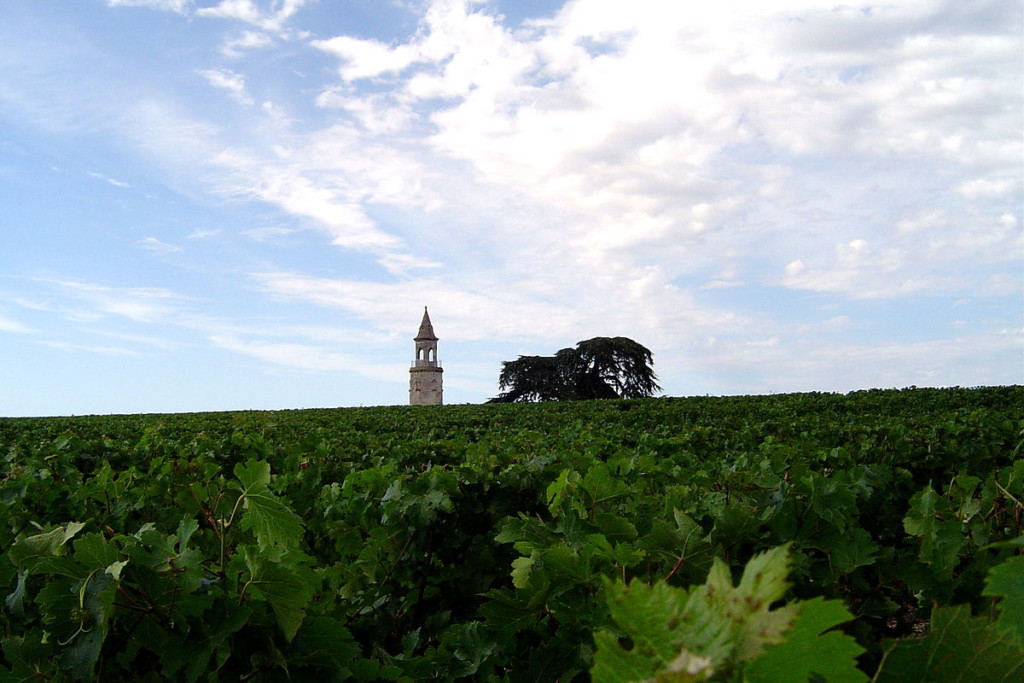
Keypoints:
pixel 807 537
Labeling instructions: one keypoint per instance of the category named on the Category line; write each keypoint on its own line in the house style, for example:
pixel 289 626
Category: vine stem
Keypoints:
pixel 223 539
pixel 679 563
pixel 1005 492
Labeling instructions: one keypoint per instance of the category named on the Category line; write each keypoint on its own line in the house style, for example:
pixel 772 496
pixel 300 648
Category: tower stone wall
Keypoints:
pixel 425 387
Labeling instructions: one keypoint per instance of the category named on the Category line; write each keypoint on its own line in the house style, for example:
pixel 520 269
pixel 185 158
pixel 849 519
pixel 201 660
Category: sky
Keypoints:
pixel 246 204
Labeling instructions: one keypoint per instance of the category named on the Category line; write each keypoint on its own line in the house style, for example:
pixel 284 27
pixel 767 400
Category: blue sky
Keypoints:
pixel 245 204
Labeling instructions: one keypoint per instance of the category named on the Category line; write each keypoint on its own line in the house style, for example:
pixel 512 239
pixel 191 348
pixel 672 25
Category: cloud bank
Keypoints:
pixel 771 196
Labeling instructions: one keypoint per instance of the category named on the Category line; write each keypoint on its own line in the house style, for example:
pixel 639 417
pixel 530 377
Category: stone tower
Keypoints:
pixel 425 373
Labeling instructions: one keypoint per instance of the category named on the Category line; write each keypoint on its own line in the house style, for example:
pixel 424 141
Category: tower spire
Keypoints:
pixel 426 329
pixel 425 373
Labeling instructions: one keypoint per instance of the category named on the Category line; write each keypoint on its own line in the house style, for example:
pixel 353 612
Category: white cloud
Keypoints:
pixel 308 357
pixel 202 234
pixel 241 10
pixel 158 343
pixel 720 284
pixel 268 233
pixel 332 180
pixel 272 18
pixel 988 187
pixel 107 179
pixel 237 45
pixel 91 302
pixel 228 80
pixel 608 170
pixel 808 365
pixel 622 126
pixel 864 272
pixel 377 114
pixel 101 350
pixel 11 325
pixel 363 58
pixel 837 323
pixel 154 244
pixel 178 6
pixel 470 315
pixel 333 208
pixel 923 255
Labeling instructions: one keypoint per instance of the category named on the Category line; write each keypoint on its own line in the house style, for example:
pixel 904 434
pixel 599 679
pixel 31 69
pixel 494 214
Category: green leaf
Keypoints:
pixel 561 488
pixel 115 569
pixel 649 614
pixel 288 586
pixel 754 624
pixel 265 514
pixel 43 553
pixel 253 474
pixel 16 600
pixel 77 613
pixel 712 628
pixel 326 643
pixel 1006 581
pixel 764 578
pixel 507 612
pixel 847 549
pixel 470 644
pixel 521 569
pixel 613 664
pixel 95 552
pixel 615 527
pixel 808 652
pixel 186 527
pixel 564 561
pixel 189 658
pixel 932 519
pixel 958 649
pixel 29 656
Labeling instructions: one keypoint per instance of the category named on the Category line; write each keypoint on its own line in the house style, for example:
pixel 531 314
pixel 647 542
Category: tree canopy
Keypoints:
pixel 602 367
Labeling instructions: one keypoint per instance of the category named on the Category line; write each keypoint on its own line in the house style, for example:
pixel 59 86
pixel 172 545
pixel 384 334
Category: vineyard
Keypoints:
pixel 872 536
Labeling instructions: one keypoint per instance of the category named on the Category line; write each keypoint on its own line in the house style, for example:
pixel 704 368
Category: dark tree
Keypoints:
pixel 531 378
pixel 614 367
pixel 602 367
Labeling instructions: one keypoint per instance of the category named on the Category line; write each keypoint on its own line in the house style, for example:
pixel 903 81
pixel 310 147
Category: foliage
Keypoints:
pixel 718 630
pixel 958 648
pixel 534 378
pixel 602 367
pixel 520 542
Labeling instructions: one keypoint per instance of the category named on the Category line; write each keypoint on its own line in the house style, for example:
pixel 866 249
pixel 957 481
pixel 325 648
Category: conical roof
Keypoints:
pixel 426 332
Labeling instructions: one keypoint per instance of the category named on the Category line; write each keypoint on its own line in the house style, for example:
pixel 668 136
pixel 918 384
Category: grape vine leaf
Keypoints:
pixel 614 664
pixel 97 599
pixel 192 659
pixel 521 569
pixel 959 648
pixel 507 612
pixel 1006 581
pixel 326 643
pixel 266 515
pixel 932 519
pixel 287 585
pixel 810 650
pixel 77 611
pixel 95 552
pixel 680 635
pixel 44 552
pixel 15 601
